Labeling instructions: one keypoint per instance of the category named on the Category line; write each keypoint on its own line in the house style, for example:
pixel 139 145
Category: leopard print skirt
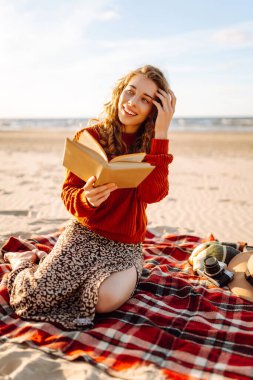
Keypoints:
pixel 63 288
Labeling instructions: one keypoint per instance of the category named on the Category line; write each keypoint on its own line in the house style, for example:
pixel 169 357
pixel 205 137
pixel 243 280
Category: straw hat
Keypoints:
pixel 242 283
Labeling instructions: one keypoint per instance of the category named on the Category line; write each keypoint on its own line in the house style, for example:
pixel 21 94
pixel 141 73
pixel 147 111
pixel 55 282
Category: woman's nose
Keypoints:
pixel 133 100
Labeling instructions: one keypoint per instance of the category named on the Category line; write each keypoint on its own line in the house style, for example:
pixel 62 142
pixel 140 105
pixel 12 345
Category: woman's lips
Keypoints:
pixel 128 112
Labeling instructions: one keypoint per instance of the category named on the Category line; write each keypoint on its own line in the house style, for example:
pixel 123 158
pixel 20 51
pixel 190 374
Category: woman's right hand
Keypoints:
pixel 97 195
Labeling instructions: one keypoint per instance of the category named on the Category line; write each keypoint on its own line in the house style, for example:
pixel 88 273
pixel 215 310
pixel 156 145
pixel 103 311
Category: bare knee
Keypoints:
pixel 116 290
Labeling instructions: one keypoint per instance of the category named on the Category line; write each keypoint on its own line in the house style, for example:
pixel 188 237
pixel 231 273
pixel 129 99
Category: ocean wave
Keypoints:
pixel 178 124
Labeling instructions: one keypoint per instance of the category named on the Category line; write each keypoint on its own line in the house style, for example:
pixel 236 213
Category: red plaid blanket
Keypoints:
pixel 176 322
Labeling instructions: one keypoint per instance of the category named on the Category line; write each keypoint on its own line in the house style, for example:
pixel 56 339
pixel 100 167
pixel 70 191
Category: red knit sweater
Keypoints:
pixel 122 217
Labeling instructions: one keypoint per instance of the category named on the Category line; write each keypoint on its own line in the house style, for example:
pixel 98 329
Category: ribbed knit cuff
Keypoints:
pixel 159 146
pixel 86 203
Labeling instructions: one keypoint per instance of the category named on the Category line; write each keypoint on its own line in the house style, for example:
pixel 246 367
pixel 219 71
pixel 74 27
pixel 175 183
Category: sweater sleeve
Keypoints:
pixel 72 190
pixel 156 186
pixel 74 198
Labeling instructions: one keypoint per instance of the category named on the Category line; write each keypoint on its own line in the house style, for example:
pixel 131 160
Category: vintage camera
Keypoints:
pixel 216 272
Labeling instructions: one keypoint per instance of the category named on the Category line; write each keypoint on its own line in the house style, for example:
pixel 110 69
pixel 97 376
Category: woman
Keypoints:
pixel 97 261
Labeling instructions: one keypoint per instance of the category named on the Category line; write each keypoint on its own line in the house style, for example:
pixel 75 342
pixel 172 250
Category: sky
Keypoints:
pixel 62 58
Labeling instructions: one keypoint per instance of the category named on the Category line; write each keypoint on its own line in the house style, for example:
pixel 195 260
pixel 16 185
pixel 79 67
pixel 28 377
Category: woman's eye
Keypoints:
pixel 145 100
pixel 129 91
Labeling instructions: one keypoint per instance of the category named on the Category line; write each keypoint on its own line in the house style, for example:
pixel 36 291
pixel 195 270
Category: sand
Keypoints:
pixel 211 182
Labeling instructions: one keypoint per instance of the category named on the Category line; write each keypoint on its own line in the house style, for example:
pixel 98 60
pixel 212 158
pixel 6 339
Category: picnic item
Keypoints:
pixel 242 266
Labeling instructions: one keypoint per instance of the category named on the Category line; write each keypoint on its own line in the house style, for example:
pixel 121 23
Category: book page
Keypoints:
pixel 91 143
pixel 133 157
pixel 128 164
pixel 82 161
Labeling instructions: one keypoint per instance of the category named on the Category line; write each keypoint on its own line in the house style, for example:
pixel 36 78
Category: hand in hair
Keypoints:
pixel 166 111
pixel 97 195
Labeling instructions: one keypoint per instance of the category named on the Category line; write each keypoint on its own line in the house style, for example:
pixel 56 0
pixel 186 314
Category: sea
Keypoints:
pixel 184 124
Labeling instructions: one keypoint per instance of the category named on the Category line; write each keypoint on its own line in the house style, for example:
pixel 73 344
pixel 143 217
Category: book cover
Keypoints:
pixel 86 158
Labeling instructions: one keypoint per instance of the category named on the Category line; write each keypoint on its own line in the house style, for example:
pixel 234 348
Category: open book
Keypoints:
pixel 86 158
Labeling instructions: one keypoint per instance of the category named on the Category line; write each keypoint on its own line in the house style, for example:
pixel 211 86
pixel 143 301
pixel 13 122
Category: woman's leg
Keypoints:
pixel 52 288
pixel 66 285
pixel 116 290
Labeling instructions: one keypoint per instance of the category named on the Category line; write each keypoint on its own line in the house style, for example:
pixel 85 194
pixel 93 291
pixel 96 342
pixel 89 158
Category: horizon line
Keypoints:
pixel 93 117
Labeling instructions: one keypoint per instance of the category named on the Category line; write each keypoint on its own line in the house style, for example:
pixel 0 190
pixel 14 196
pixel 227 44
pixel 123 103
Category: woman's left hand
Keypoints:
pixel 165 112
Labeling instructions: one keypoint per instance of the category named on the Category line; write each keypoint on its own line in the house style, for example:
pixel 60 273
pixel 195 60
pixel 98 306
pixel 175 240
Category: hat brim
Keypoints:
pixel 239 285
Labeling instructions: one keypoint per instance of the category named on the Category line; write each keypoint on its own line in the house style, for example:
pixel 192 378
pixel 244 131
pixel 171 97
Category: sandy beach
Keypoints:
pixel 211 181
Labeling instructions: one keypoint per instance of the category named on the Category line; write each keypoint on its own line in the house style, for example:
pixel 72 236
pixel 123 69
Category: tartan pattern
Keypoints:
pixel 176 321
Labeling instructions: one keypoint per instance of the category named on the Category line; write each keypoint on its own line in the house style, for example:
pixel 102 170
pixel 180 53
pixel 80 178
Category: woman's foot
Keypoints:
pixel 18 258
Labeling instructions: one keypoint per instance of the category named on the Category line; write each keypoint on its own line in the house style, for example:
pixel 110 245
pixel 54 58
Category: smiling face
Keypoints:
pixel 135 102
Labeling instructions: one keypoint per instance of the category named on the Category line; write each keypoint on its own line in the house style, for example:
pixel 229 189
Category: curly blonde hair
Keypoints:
pixel 110 129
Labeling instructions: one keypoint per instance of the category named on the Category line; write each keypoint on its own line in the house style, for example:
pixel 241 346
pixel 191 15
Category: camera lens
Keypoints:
pixel 212 267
